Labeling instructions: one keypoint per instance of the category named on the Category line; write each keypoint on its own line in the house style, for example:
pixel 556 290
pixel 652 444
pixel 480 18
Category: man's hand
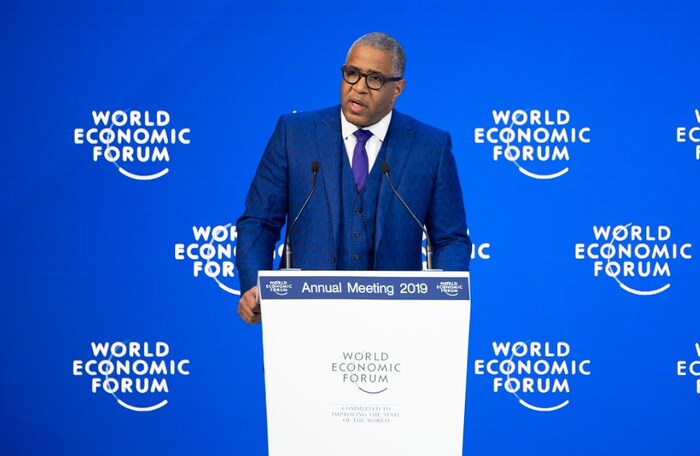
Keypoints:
pixel 249 306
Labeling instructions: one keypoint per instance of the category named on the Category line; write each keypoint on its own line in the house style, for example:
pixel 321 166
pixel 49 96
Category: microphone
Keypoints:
pixel 428 246
pixel 287 244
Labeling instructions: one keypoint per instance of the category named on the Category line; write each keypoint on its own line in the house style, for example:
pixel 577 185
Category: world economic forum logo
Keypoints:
pixel 685 368
pixel 279 287
pixel 637 257
pixel 690 134
pixel 536 141
pixel 136 374
pixel 450 288
pixel 370 372
pixel 137 143
pixel 212 251
pixel 539 375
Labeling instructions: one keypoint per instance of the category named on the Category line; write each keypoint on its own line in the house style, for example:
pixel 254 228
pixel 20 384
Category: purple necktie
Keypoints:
pixel 360 163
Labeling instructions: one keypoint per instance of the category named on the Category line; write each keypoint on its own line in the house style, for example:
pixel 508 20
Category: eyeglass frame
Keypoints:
pixel 367 75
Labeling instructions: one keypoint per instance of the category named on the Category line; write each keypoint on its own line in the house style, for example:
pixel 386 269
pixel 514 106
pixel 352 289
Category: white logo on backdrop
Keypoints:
pixel 691 368
pixel 212 251
pixel 691 134
pixel 135 373
pixel 536 141
pixel 537 374
pixel 637 257
pixel 137 143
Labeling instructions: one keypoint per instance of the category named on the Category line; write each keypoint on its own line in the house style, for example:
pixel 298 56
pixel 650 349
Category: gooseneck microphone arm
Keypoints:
pixel 428 244
pixel 287 243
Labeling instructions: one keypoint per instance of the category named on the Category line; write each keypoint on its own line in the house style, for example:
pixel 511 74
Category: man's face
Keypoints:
pixel 361 105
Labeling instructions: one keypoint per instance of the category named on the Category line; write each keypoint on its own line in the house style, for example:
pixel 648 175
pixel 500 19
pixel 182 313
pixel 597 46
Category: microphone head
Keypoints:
pixel 384 167
pixel 315 166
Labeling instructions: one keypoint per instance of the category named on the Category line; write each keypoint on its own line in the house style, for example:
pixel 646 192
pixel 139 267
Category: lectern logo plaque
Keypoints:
pixel 450 288
pixel 279 287
pixel 370 371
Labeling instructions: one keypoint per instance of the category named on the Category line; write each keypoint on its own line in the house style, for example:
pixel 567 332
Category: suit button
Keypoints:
pixel 358 211
pixel 357 234
pixel 356 257
pixel 333 260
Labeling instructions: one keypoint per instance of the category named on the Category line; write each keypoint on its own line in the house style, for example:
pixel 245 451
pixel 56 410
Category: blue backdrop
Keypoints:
pixel 585 261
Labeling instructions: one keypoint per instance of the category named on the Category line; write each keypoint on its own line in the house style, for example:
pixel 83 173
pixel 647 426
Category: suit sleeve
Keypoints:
pixel 446 221
pixel 265 211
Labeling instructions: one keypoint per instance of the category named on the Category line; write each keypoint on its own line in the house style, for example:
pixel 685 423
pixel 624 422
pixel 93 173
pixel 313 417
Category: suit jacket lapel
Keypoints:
pixel 398 148
pixel 330 147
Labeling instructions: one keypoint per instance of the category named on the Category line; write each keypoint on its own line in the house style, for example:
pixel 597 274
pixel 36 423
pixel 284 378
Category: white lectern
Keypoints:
pixel 365 363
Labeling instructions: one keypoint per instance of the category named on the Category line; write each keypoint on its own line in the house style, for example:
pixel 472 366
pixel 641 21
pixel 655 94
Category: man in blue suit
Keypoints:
pixel 353 221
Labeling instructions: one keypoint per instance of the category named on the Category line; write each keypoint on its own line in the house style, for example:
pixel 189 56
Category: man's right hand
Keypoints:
pixel 249 306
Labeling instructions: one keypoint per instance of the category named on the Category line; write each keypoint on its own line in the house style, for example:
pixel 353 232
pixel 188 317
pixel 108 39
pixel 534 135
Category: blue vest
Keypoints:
pixel 358 214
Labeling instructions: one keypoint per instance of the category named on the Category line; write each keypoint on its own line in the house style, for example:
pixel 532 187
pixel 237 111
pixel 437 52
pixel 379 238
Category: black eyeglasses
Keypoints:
pixel 375 81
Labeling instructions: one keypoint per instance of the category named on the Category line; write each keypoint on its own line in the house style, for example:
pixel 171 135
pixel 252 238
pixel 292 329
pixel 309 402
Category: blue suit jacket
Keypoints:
pixel 423 171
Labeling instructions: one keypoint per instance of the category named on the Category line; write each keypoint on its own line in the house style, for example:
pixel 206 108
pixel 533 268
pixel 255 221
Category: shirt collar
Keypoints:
pixel 378 129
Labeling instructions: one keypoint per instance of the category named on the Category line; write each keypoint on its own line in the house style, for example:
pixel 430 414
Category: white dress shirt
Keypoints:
pixel 374 143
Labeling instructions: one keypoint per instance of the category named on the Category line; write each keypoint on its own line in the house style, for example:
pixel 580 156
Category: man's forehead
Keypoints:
pixel 367 58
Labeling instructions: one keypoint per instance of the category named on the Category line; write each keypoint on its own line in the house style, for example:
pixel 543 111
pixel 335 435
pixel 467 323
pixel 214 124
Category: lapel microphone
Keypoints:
pixel 428 245
pixel 287 243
